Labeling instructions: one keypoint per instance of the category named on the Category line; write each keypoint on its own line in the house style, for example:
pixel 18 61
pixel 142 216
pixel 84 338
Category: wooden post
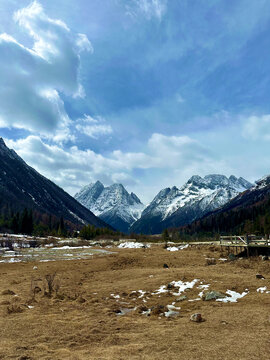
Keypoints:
pixel 247 241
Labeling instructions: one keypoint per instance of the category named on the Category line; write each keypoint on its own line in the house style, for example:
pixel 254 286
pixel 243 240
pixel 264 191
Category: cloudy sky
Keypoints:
pixel 142 92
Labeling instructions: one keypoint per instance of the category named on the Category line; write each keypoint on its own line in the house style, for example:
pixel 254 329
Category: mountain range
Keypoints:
pixel 112 204
pixel 173 207
pixel 248 212
pixel 23 187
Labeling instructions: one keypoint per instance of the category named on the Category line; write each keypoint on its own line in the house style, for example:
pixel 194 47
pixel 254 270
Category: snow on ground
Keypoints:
pixel 67 247
pixel 234 296
pixel 132 245
pixel 176 248
pixel 263 289
pixel 182 286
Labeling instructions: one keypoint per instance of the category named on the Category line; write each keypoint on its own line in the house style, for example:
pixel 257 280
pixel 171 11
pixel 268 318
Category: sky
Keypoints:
pixel 142 92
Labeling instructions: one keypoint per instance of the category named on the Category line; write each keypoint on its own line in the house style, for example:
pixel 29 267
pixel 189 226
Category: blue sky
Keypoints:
pixel 143 92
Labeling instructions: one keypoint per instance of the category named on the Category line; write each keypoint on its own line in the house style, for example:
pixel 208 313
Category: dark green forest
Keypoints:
pixel 252 219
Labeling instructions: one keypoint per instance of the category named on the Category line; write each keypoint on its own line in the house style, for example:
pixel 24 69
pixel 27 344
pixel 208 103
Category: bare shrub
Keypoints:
pixel 51 284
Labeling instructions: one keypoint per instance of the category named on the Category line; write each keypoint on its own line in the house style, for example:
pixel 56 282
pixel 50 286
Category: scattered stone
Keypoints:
pixel 8 292
pixel 35 267
pixel 181 298
pixel 165 266
pixel 197 317
pixel 81 300
pixel 170 286
pixel 37 289
pixel 213 295
pixel 142 309
pixel 264 258
pixel 232 257
pixel 260 276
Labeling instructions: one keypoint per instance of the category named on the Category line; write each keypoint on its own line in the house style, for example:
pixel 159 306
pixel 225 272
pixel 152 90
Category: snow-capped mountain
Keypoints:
pixel 175 207
pixel 113 203
pixel 248 212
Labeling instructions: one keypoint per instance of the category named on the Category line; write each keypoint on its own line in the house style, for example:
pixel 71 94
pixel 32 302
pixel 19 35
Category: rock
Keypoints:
pixel 81 300
pixel 232 257
pixel 35 267
pixel 165 266
pixel 260 276
pixel 37 289
pixel 181 298
pixel 197 317
pixel 213 295
pixel 170 286
pixel 142 309
pixel 264 258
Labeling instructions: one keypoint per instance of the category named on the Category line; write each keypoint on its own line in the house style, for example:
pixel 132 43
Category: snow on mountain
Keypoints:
pixel 112 203
pixel 173 206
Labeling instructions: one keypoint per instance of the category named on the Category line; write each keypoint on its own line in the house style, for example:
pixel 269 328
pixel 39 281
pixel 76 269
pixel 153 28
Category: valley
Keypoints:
pixel 127 305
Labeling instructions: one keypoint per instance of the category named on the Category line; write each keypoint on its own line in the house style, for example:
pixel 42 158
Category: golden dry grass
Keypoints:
pixel 80 322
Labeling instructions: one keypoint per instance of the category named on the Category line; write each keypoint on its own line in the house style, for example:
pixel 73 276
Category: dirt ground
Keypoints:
pixel 81 318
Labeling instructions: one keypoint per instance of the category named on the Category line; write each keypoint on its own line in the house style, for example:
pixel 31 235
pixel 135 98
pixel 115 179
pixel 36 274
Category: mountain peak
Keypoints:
pixel 2 143
pixel 113 203
pixel 199 195
pixel 98 183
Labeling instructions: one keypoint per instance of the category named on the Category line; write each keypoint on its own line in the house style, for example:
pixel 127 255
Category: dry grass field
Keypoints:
pixel 79 318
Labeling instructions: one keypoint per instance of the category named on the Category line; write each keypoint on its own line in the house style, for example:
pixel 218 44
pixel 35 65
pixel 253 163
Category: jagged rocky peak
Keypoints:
pixel 113 203
pixel 199 195
pixel 264 181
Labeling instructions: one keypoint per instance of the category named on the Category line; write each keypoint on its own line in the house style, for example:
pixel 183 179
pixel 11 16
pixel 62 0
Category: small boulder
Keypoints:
pixel 264 258
pixel 165 266
pixel 232 257
pixel 260 276
pixel 197 317
pixel 213 295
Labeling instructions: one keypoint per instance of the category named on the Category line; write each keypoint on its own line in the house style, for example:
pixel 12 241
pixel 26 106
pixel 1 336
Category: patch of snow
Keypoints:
pixel 67 247
pixel 171 313
pixel 182 286
pixel 174 248
pixel 262 289
pixel 132 245
pixel 233 296
pixel 115 296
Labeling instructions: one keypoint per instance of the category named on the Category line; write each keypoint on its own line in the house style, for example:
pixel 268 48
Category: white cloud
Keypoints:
pixel 256 128
pixel 32 79
pixel 148 8
pixel 92 127
pixel 173 158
